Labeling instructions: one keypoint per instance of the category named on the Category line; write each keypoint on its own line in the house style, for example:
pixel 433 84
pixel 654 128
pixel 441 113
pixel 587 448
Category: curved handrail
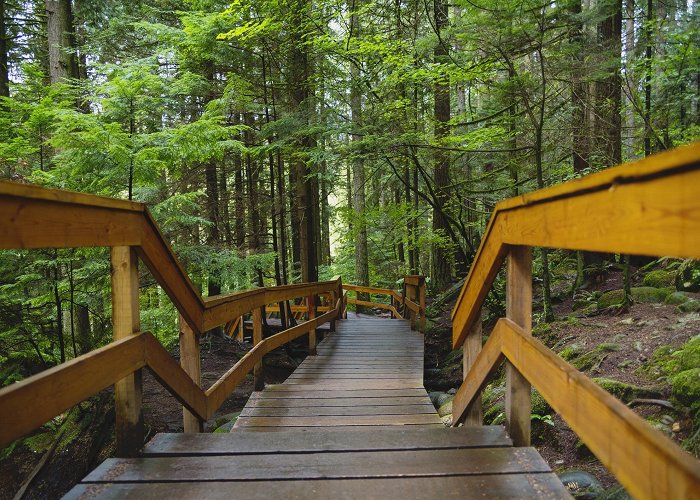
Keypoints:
pixel 36 217
pixel 647 207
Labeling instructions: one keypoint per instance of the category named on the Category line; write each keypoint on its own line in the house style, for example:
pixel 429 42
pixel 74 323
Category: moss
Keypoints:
pixel 687 357
pixel 571 352
pixel 626 392
pixel 539 404
pixel 685 387
pixel 690 306
pixel 611 299
pixel 650 294
pixel 543 332
pixel 660 279
pixel 594 357
pixel 676 298
pixel 445 409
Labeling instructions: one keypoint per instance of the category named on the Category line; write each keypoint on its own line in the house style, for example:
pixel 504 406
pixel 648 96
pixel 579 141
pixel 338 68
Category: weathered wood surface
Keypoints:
pixel 645 462
pixel 363 355
pixel 344 425
pixel 543 486
pixel 626 209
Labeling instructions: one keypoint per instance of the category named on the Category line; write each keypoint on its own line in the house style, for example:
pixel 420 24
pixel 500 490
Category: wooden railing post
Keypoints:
pixel 470 351
pixel 241 329
pixel 258 380
pixel 128 393
pixel 311 312
pixel 190 361
pixel 411 294
pixel 421 292
pixel 519 310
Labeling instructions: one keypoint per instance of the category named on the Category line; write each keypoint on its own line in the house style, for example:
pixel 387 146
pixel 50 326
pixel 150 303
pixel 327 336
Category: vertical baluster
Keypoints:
pixel 311 309
pixel 190 360
pixel 470 351
pixel 519 310
pixel 258 381
pixel 421 291
pixel 128 393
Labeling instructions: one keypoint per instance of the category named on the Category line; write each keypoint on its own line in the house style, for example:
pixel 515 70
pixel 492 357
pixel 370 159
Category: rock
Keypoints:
pixel 650 294
pixel 452 391
pixel 660 279
pixel 444 398
pixel 445 409
pixel 676 298
pixel 627 321
pixel 626 392
pixel 611 299
pixel 581 484
pixel 434 395
pixel 690 306
pixel 624 363
pixel 570 352
pixel 685 387
pixel 447 420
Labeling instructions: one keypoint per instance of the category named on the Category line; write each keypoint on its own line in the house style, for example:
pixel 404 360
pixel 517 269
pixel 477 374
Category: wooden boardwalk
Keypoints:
pixel 354 421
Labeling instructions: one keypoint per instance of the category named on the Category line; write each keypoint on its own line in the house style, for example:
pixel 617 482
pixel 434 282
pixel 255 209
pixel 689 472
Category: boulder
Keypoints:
pixel 660 279
pixel 581 484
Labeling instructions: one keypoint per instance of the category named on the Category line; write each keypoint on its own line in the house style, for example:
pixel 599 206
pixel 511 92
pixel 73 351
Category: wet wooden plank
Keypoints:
pixel 343 465
pixel 329 402
pixel 357 385
pixel 302 392
pixel 505 486
pixel 332 420
pixel 324 440
pixel 338 410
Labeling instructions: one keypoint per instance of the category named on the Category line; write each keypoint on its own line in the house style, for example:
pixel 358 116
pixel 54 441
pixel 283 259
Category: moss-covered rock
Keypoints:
pixel 627 392
pixel 539 404
pixel 611 299
pixel 570 352
pixel 685 387
pixel 445 409
pixel 676 298
pixel 660 279
pixel 650 294
pixel 690 306
pixel 594 357
pixel 687 357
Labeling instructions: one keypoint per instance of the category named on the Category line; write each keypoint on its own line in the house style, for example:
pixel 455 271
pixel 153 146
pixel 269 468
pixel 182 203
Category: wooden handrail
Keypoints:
pixel 651 467
pixel 48 218
pixel 415 309
pixel 648 207
pixel 61 387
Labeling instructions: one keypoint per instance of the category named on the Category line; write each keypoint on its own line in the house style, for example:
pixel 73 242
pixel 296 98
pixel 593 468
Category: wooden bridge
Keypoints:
pixel 354 419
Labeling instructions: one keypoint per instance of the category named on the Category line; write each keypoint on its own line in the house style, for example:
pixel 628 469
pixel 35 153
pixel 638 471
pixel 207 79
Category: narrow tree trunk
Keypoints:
pixel 4 48
pixel 440 259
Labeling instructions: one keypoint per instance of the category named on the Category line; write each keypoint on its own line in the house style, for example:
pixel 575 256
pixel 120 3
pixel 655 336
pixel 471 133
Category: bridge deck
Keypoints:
pixel 354 421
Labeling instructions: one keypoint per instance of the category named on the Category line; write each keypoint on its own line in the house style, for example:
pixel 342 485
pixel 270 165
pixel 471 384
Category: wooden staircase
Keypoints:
pixel 354 421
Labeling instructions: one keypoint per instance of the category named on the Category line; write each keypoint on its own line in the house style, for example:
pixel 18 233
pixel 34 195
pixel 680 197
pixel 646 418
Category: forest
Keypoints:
pixel 284 141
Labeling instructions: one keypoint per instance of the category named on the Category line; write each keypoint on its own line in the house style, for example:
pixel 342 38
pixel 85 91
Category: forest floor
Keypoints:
pixel 613 344
pixel 84 437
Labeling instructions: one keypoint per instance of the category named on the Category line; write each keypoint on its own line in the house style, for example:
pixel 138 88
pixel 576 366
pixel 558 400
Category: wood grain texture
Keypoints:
pixel 128 392
pixel 625 209
pixel 190 361
pixel 353 439
pixel 502 486
pixel 334 465
pixel 61 387
pixel 646 463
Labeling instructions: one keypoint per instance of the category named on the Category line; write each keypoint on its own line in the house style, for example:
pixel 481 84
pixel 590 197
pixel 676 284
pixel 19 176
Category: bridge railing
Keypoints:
pixel 649 207
pixel 409 303
pixel 34 217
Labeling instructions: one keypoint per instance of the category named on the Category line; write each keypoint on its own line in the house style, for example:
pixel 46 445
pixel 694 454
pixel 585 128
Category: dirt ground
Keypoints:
pixel 636 333
pixel 94 442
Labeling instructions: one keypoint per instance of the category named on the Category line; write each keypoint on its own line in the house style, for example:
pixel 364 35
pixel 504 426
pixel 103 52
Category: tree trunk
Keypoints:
pixel 608 88
pixel 61 37
pixel 440 259
pixel 4 48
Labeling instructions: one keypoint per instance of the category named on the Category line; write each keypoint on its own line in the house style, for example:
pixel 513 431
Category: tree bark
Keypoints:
pixel 4 49
pixel 440 259
pixel 59 27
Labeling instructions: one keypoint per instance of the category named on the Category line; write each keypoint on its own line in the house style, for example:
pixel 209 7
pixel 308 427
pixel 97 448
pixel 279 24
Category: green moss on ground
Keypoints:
pixel 660 279
pixel 676 298
pixel 627 392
